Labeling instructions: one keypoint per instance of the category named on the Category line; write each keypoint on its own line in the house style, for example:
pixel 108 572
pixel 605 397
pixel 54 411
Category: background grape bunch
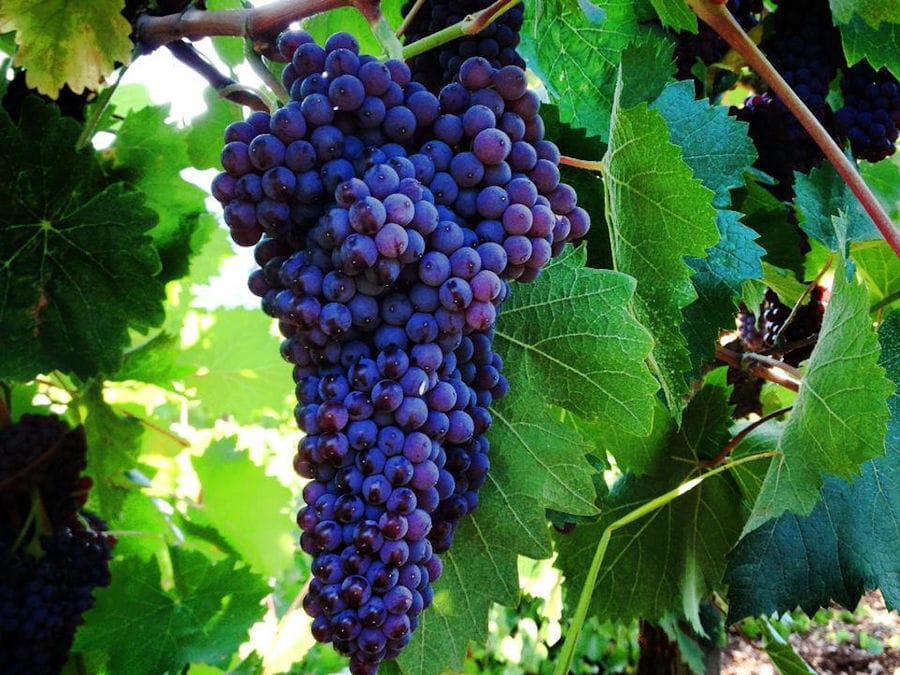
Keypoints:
pixel 389 221
pixel 52 556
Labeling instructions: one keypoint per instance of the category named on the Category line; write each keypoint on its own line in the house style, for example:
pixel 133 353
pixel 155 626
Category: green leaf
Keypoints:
pixel 822 195
pixel 873 12
pixel 154 362
pixel 839 416
pixel 262 535
pixel 535 463
pixel 880 46
pixel 774 221
pixel 76 266
pixel 346 19
pixel 149 154
pixel 693 126
pixel 718 279
pixel 59 42
pixel 670 559
pixel 782 653
pixel 575 48
pixel 879 265
pixel 675 14
pixel 884 179
pixel 658 214
pixel 568 338
pixel 237 368
pixel 204 618
pixel 838 551
pixel 114 443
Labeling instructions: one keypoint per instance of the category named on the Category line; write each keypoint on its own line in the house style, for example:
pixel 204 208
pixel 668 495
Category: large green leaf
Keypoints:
pixel 675 14
pixel 60 42
pixel 568 338
pixel 114 443
pixel 203 619
pixel 575 47
pixel 670 559
pixel 822 195
pixel 659 213
pixel 149 154
pixel 263 534
pixel 879 46
pixel 873 12
pixel 537 462
pixel 76 265
pixel 838 420
pixel 693 125
pixel 848 544
pixel 237 369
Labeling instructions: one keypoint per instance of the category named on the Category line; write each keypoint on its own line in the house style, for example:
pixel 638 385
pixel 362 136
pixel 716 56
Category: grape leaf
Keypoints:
pixel 575 48
pixel 845 546
pixel 782 654
pixel 204 618
pixel 76 265
pixel 884 179
pixel 692 125
pixel 880 267
pixel 824 194
pixel 262 535
pixel 774 221
pixel 536 463
pixel 658 214
pixel 671 558
pixel 873 12
pixel 149 154
pixel 113 447
pixel 839 417
pixel 718 279
pixel 568 338
pixel 237 369
pixel 675 14
pixel 59 42
pixel 880 46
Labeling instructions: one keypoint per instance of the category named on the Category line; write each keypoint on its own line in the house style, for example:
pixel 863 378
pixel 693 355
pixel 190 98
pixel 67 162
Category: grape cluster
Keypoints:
pixel 389 222
pixel 497 42
pixel 705 45
pixel 49 566
pixel 805 48
pixel 871 113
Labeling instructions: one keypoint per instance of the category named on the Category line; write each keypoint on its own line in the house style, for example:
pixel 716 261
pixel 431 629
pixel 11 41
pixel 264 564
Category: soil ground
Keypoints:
pixel 838 648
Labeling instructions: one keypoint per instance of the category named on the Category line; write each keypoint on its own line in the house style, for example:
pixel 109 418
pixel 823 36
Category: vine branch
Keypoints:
pixel 768 368
pixel 227 87
pixel 719 19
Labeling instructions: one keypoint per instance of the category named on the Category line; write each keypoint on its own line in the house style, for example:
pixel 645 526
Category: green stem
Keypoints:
pixel 470 25
pixel 90 125
pixel 588 164
pixel 383 32
pixel 584 600
pixel 263 73
pixel 719 19
pixel 885 301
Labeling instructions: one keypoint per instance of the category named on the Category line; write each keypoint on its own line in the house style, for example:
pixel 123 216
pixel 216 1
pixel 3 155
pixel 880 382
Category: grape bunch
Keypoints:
pixel 50 563
pixel 388 222
pixel 871 113
pixel 805 48
pixel 497 42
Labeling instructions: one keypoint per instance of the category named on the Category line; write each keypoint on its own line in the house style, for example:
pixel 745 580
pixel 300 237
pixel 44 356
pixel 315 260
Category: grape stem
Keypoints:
pixel 588 164
pixel 224 85
pixel 410 16
pixel 772 374
pixel 803 296
pixel 742 434
pixel 587 591
pixel 720 20
pixel 261 24
pixel 470 25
